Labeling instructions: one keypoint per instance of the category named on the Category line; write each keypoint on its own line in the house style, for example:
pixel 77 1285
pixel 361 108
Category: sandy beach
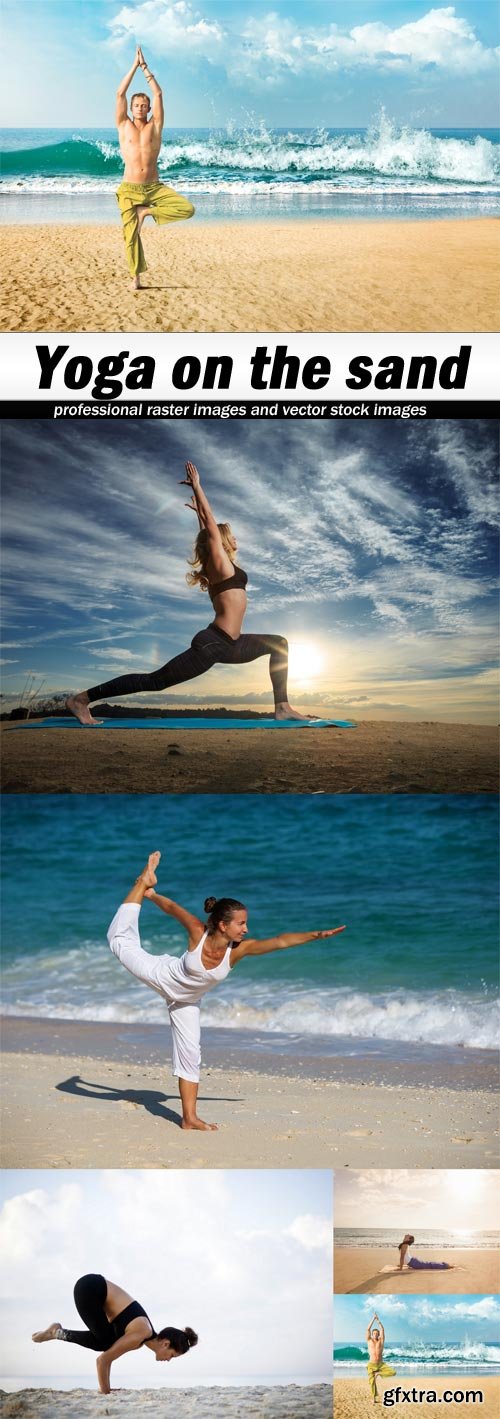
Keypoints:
pixel 270 276
pixel 377 757
pixel 357 1270
pixel 76 1096
pixel 271 1402
pixel 353 1399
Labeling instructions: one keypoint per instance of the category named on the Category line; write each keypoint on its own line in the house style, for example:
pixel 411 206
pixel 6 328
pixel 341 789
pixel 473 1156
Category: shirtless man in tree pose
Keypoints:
pixel 375 1339
pixel 141 194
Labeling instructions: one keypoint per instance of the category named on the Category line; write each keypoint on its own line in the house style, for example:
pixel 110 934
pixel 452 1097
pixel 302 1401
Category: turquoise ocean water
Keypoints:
pixel 414 878
pixel 457 1357
pixel 382 171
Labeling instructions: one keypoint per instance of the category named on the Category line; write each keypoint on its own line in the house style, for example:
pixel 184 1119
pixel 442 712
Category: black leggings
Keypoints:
pixel 209 647
pixel 90 1296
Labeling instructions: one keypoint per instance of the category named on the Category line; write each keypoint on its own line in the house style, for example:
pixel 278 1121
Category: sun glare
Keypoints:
pixel 307 660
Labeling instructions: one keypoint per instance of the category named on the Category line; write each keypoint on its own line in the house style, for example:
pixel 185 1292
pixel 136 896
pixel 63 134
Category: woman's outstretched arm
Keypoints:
pixel 206 518
pixel 281 942
pixel 192 923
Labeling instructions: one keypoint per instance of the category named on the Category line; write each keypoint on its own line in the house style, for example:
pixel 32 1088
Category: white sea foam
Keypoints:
pixel 85 985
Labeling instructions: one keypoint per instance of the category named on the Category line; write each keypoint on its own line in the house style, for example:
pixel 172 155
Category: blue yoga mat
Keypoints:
pixel 63 723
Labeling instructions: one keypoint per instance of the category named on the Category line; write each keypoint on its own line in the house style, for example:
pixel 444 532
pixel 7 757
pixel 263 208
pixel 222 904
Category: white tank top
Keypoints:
pixel 185 979
pixel 181 980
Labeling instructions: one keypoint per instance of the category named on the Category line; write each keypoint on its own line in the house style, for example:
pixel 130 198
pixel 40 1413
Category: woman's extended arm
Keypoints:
pixel 192 923
pixel 280 943
pixel 222 562
pixel 402 1253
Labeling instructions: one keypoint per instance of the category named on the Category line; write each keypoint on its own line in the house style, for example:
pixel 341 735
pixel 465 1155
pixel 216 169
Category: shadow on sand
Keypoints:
pixel 150 1099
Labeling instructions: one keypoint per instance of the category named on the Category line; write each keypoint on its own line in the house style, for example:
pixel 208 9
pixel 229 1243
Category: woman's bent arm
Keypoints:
pixel 192 923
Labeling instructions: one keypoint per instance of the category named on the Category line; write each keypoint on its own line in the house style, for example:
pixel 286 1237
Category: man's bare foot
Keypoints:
pixel 149 874
pixel 136 283
pixel 49 1334
pixel 200 1124
pixel 103 1368
pixel 285 711
pixel 79 706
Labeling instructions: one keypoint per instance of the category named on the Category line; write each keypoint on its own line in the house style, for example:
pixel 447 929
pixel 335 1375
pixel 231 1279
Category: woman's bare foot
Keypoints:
pixel 149 874
pixel 103 1368
pixel 136 283
pixel 50 1333
pixel 285 711
pixel 79 706
pixel 200 1124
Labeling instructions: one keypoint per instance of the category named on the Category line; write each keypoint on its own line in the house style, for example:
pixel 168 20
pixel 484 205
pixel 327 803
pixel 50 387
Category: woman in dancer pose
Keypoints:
pixel 115 1324
pixel 214 949
pixel 406 1260
pixel 214 570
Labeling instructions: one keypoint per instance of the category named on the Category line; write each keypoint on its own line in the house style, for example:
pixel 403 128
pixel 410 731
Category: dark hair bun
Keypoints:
pixel 210 903
pixel 191 1336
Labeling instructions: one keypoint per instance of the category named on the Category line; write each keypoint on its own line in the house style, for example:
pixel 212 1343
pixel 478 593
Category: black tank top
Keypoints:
pixel 238 579
pixel 122 1320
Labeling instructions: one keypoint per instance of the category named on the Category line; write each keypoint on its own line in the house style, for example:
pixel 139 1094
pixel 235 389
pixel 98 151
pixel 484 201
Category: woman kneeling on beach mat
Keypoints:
pixel 214 949
pixel 221 643
pixel 116 1324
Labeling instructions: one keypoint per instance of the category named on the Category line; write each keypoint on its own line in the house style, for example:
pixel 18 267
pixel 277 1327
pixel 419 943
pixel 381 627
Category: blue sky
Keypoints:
pixel 418 1318
pixel 287 62
pixel 372 547
pixel 243 1257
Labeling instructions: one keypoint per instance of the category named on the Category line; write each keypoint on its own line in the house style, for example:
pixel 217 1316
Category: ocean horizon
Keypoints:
pixel 383 171
pixel 426 1237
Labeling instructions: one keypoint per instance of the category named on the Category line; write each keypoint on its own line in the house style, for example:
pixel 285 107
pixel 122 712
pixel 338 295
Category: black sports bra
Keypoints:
pixel 238 579
pixel 122 1320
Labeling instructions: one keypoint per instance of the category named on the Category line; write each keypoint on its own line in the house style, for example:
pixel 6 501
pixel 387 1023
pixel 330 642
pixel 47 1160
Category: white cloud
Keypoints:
pixel 268 47
pixel 392 1305
pixel 313 1233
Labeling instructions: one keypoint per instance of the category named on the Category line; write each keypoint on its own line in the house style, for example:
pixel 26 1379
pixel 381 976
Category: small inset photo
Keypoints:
pixel 428 1231
pixel 417 1352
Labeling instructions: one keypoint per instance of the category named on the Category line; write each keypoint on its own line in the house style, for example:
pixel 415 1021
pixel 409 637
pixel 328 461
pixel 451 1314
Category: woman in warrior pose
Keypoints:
pixel 115 1324
pixel 214 948
pixel 215 571
pixel 412 1262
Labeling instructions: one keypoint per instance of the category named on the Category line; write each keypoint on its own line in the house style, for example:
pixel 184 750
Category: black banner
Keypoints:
pixel 305 408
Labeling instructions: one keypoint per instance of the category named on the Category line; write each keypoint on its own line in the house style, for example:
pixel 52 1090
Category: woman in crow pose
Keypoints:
pixel 115 1324
pixel 214 949
pixel 214 570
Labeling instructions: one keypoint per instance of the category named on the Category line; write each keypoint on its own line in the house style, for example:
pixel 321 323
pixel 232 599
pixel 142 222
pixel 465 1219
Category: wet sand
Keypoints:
pixel 378 757
pixel 357 1270
pixel 75 1096
pixel 353 1399
pixel 273 276
pixel 217 1402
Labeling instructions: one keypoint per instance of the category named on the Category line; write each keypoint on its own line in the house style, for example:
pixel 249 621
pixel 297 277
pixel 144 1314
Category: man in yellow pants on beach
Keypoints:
pixel 375 1340
pixel 141 194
